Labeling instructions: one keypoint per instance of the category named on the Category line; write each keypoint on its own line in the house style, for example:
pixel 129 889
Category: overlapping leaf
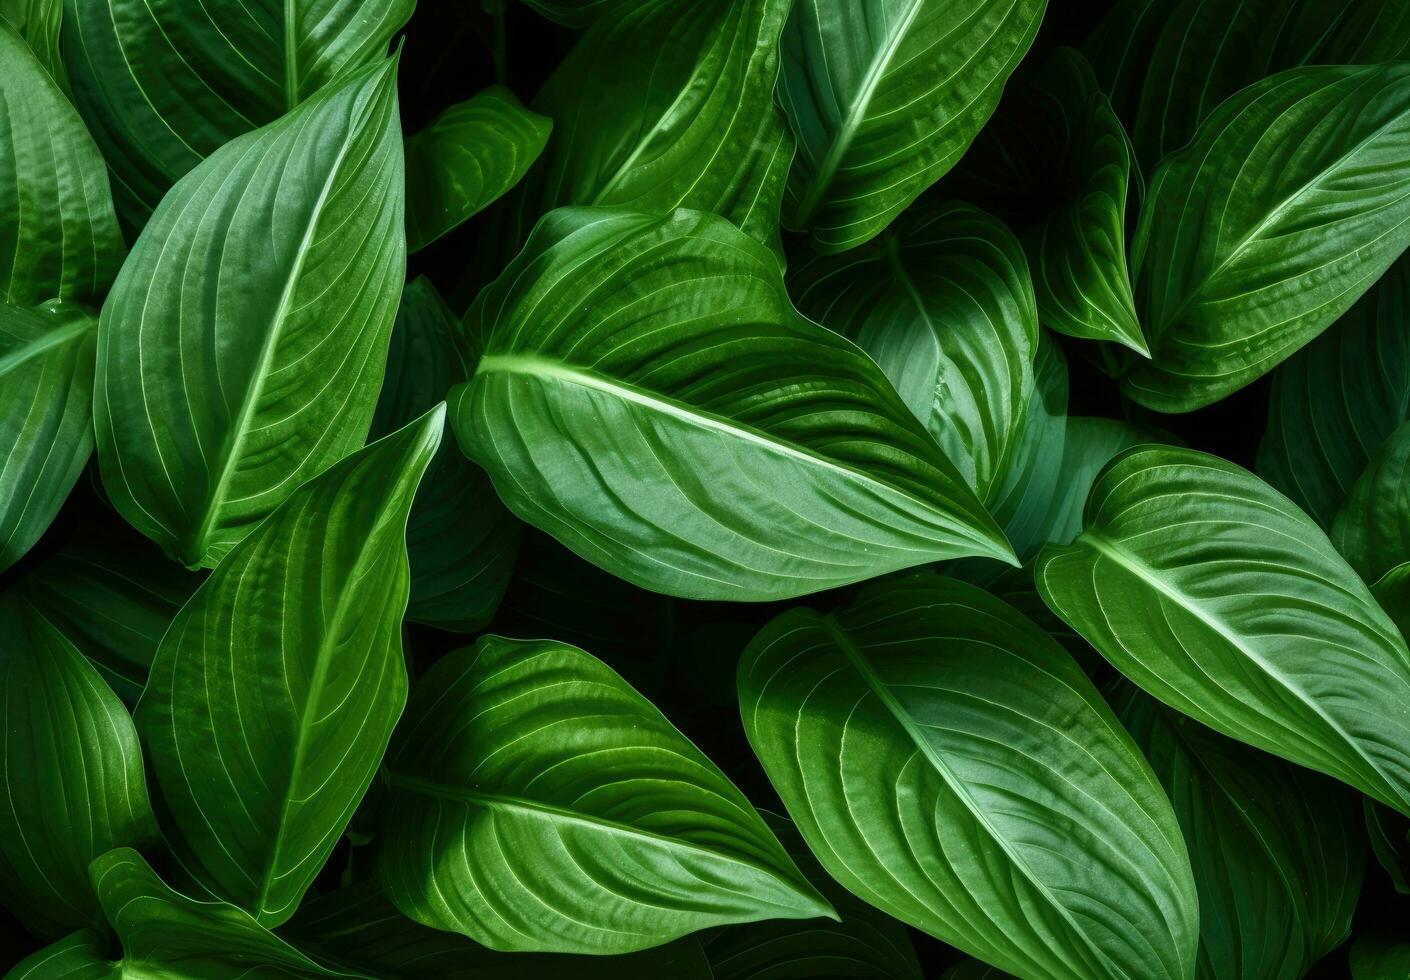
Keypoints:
pixel 73 786
pixel 884 97
pixel 243 344
pixel 165 84
pixel 1215 594
pixel 467 157
pixel 1292 200
pixel 274 693
pixel 943 303
pixel 1335 401
pixel 949 763
pixel 1372 530
pixel 1277 850
pixel 461 540
pixel 649 396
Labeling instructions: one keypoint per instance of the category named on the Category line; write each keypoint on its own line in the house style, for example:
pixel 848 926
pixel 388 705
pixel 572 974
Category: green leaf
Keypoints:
pixel 541 804
pixel 38 22
pixel 1169 63
pixel 243 345
pixel 58 234
pixel 467 157
pixel 1335 401
pixel 1293 199
pixel 359 926
pixel 865 943
pixel 1216 595
pixel 461 540
pixel 666 104
pixel 649 396
pixel 884 97
pixel 79 956
pixel 113 596
pixel 1376 956
pixel 73 785
pixel 1088 445
pixel 1277 851
pixel 1389 833
pixel 1372 530
pixel 46 431
pixel 578 13
pixel 275 691
pixel 950 764
pixel 1079 251
pixel 943 303
pixel 164 85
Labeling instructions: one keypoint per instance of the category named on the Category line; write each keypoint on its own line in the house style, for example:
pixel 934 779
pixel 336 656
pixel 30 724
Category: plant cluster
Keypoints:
pixel 769 533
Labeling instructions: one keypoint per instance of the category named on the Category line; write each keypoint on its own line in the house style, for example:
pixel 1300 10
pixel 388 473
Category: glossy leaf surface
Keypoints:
pixel 648 395
pixel 540 803
pixel 274 693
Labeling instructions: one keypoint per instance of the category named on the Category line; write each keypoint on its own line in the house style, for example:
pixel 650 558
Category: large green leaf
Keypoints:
pixel 1372 530
pixel 943 303
pixel 360 928
pixel 46 427
pixel 1277 850
pixel 113 595
pixel 666 104
pixel 468 156
pixel 242 347
pixel 58 236
pixel 275 691
pixel 165 83
pixel 649 396
pixel 950 764
pixel 865 943
pixel 884 97
pixel 1335 401
pixel 1079 251
pixel 461 540
pixel 1211 591
pixel 73 786
pixel 38 22
pixel 541 804
pixel 1290 202
pixel 1169 63
pixel 1088 445
pixel 80 956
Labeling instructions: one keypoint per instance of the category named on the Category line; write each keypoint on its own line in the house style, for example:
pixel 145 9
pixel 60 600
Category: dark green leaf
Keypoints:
pixel 73 783
pixel 1277 850
pixel 1376 956
pixel 884 97
pixel 466 158
pixel 461 540
pixel 274 693
pixel 58 235
pixel 950 764
pixel 943 303
pixel 46 428
pixel 1372 530
pixel 243 344
pixel 164 85
pixel 1215 594
pixel 578 13
pixel 1389 832
pixel 541 804
pixel 1290 202
pixel 1335 401
pixel 649 396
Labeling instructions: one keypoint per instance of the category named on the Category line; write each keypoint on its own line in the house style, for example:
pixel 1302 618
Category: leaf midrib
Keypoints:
pixel 537 365
pixel 537 808
pixel 856 112
pixel 862 666
pixel 1110 549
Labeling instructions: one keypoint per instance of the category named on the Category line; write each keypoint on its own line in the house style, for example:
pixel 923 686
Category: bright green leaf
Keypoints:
pixel 461 540
pixel 950 764
pixel 242 347
pixel 1292 200
pixel 884 97
pixel 73 786
pixel 467 157
pixel 649 396
pixel 541 804
pixel 275 691
pixel 943 303
pixel 1215 594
